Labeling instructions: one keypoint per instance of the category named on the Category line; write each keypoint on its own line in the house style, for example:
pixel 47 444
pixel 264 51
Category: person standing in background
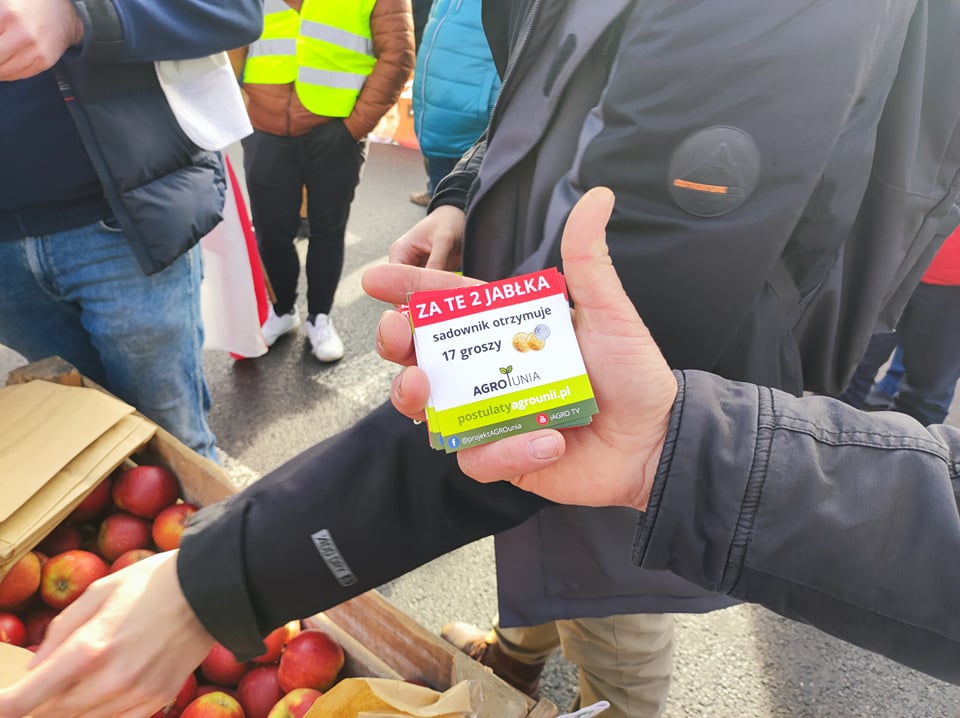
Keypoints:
pixel 104 195
pixel 318 80
pixel 455 86
pixel 927 344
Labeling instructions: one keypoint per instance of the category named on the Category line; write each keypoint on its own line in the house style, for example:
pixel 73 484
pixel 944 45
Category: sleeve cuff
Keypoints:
pixel 103 37
pixel 208 573
pixel 707 487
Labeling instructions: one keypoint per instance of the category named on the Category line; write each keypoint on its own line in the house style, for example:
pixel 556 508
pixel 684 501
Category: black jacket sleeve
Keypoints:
pixel 348 515
pixel 824 514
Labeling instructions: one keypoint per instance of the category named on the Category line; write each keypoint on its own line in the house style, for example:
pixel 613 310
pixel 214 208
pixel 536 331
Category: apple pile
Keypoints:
pixel 298 665
pixel 129 516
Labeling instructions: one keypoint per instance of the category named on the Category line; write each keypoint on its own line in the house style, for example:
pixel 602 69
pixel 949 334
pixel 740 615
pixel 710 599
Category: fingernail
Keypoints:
pixel 544 448
pixel 379 335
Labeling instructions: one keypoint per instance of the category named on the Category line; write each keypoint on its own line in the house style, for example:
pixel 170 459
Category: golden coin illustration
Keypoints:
pixel 534 342
pixel 520 341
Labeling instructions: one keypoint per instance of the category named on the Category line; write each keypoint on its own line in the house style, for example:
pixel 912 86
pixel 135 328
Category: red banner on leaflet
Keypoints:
pixel 442 305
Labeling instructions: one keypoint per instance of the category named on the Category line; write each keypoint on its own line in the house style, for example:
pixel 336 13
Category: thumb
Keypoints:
pixel 591 278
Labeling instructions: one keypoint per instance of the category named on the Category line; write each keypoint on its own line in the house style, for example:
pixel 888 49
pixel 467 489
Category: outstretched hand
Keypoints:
pixel 610 462
pixel 124 648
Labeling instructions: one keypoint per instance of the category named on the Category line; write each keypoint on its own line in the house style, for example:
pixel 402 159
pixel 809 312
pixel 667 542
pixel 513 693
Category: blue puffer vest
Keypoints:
pixel 455 82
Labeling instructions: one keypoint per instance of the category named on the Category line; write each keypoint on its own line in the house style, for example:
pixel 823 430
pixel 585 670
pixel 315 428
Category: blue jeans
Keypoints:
pixel 81 294
pixel 437 169
pixel 928 334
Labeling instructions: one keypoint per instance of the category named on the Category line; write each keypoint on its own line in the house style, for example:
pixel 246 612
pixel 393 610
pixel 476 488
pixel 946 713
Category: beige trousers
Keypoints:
pixel 626 660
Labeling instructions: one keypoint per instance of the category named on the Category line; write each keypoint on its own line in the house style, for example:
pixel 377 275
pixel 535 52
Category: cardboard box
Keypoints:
pixel 379 640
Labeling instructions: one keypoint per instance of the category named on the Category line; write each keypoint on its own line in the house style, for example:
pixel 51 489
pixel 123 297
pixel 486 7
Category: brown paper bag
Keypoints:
pixel 386 698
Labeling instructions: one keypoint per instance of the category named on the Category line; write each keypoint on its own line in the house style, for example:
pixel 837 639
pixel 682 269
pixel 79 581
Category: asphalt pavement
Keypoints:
pixel 743 662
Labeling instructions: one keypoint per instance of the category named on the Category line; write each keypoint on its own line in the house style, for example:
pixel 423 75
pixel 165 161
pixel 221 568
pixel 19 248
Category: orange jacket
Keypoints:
pixel 277 109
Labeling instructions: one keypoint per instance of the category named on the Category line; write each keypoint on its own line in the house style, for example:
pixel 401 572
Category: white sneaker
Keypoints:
pixel 275 326
pixel 326 343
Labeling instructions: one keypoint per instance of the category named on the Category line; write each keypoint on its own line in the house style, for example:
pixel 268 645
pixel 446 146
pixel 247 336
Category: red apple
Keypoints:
pixel 215 704
pixel 36 622
pixel 21 581
pixel 259 690
pixel 145 490
pixel 276 640
pixel 295 704
pixel 65 576
pixel 95 504
pixel 169 524
pixel 12 629
pixel 64 537
pixel 128 558
pixel 311 660
pixel 122 532
pixel 221 667
pixel 205 688
pixel 174 708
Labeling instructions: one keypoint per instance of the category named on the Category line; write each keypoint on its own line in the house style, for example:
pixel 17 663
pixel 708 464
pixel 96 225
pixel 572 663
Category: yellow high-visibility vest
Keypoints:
pixel 326 50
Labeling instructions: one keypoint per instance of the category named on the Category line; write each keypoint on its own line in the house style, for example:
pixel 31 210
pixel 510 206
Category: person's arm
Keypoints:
pixel 838 518
pixel 35 35
pixel 391 25
pixel 841 519
pixel 350 514
pixel 145 30
pixel 238 59
pixel 358 510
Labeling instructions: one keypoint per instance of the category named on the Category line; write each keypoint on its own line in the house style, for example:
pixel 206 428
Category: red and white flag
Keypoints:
pixel 233 295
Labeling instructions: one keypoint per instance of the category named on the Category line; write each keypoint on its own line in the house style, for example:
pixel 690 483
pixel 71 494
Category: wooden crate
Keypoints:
pixel 378 638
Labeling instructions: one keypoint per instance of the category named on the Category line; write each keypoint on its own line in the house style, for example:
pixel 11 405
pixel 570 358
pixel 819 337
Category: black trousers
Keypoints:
pixel 327 161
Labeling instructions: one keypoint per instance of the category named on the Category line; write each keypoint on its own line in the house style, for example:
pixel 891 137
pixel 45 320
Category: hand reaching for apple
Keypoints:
pixel 124 648
pixel 612 461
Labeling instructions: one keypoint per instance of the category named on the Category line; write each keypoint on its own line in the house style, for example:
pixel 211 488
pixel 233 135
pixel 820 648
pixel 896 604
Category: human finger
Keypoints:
pixel 393 282
pixel 604 315
pixel 394 339
pixel 591 278
pixel 410 392
pixel 511 458
pixel 408 251
pixel 446 253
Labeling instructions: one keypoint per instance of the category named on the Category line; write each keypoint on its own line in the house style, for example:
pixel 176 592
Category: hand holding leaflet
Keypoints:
pixel 502 359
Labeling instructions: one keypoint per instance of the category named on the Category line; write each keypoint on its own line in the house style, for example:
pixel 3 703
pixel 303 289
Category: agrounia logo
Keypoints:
pixel 509 379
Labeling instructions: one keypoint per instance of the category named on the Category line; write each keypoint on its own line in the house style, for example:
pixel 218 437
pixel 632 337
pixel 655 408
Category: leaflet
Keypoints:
pixel 502 359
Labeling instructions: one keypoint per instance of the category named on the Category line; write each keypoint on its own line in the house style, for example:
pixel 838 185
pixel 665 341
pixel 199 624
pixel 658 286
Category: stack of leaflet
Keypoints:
pixel 502 359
